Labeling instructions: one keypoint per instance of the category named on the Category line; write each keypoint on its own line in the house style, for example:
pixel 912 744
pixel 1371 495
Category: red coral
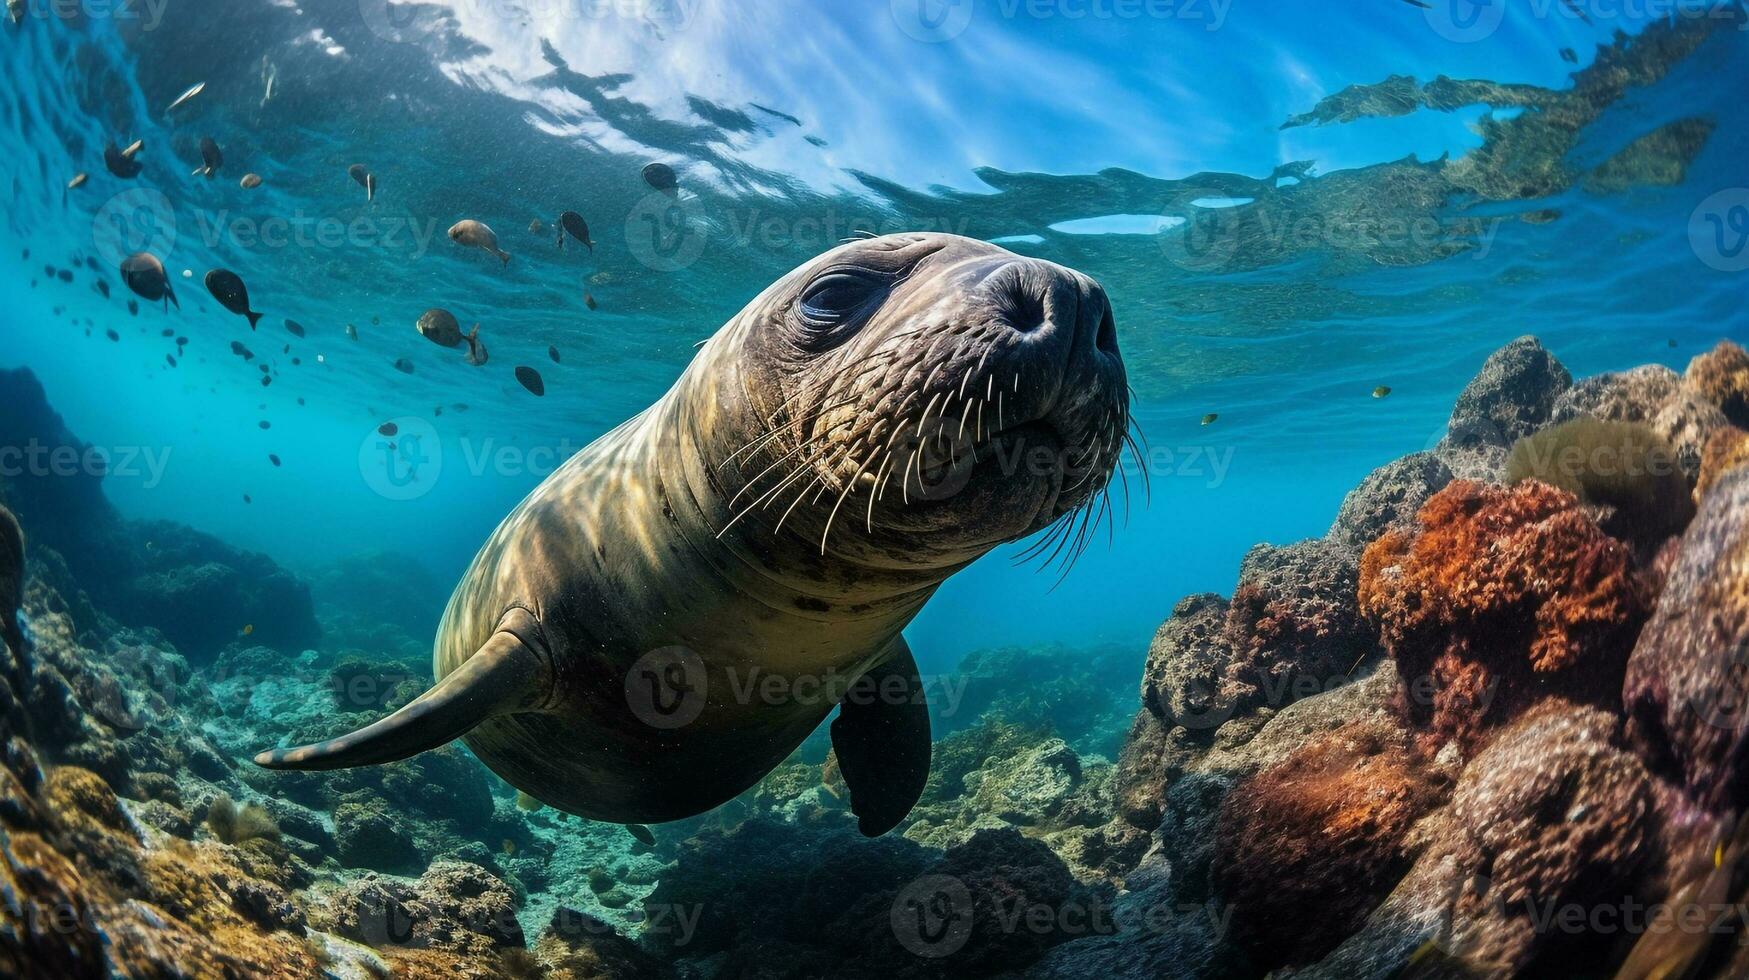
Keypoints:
pixel 1305 849
pixel 1502 596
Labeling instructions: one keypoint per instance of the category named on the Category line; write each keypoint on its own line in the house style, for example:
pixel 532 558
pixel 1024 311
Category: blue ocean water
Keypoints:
pixel 1100 135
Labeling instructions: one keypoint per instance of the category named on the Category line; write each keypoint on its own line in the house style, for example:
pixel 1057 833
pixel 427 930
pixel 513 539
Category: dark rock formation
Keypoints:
pixel 1686 689
pixel 1512 396
pixel 1388 499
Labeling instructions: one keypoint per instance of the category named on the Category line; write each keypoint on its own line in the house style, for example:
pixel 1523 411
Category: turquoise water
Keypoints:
pixel 1100 136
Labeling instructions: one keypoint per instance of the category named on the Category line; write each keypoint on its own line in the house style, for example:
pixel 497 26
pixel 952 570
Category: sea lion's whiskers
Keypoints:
pixel 879 476
pixel 793 503
pixel 848 487
pixel 924 420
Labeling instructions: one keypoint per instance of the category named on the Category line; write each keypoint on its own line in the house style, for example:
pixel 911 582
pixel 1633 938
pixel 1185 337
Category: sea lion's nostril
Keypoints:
pixel 1107 337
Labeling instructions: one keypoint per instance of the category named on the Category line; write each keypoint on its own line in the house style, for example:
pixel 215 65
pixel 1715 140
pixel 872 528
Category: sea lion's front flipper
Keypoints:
pixel 881 738
pixel 503 677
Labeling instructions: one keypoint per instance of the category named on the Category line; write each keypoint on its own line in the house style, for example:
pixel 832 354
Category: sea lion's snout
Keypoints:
pixel 950 394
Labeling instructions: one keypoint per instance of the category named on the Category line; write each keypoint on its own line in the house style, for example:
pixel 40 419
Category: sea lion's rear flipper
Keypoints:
pixel 881 738
pixel 504 676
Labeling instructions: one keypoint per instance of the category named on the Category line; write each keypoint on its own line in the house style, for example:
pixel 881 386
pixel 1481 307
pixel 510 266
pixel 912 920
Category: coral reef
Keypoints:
pixel 1477 701
pixel 1503 596
pixel 1307 847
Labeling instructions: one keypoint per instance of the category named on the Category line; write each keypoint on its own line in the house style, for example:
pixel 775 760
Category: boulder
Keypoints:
pixel 1512 396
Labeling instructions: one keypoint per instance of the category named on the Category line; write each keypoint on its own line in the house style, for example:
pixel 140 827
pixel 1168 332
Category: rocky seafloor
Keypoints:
pixel 1493 723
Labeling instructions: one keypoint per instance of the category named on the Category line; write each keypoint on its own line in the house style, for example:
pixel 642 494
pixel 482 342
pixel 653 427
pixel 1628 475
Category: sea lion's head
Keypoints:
pixel 922 398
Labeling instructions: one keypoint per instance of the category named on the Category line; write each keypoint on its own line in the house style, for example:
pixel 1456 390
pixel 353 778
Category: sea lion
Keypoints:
pixel 665 618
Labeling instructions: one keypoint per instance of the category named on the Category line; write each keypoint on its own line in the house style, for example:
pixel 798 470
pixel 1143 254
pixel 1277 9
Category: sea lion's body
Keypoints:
pixel 638 568
pixel 674 610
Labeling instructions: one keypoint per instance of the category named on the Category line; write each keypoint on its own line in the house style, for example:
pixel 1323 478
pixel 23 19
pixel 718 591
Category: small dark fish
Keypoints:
pixel 661 176
pixel 238 349
pixel 553 352
pixel 535 227
pixel 352 332
pixel 388 428
pixel 286 349
pixel 121 164
pixel 65 275
pixel 642 834
pixel 1673 341
pixel 265 424
pixel 459 407
pixel 182 341
pixel 170 359
pixel 103 288
pixel 1381 391
pixel 247 499
pixel 1570 56
pixel 588 299
pixel 210 157
pixel 166 332
pixel 113 335
pixel 571 223
pixel 144 274
pixel 365 179
pixel 530 379
pixel 476 355
pixel 227 287
pixel 1210 418
pixel 404 366
pixel 273 459
pixel 1423 4
pixel 133 308
pixel 438 411
pixel 440 327
pixel 296 328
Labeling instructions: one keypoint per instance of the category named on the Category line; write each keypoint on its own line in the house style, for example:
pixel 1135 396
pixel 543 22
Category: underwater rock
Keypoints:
pixel 1552 815
pixel 1685 691
pixel 369 835
pixel 1726 450
pixel 1501 597
pixel 452 908
pixel 1721 376
pixel 201 592
pixel 1688 424
pixel 1512 396
pixel 1140 771
pixel 1634 395
pixel 1193 794
pixel 11 578
pixel 1290 631
pixel 1388 498
pixel 1028 789
pixel 1306 848
pixel 764 883
pixel 1184 682
pixel 576 946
